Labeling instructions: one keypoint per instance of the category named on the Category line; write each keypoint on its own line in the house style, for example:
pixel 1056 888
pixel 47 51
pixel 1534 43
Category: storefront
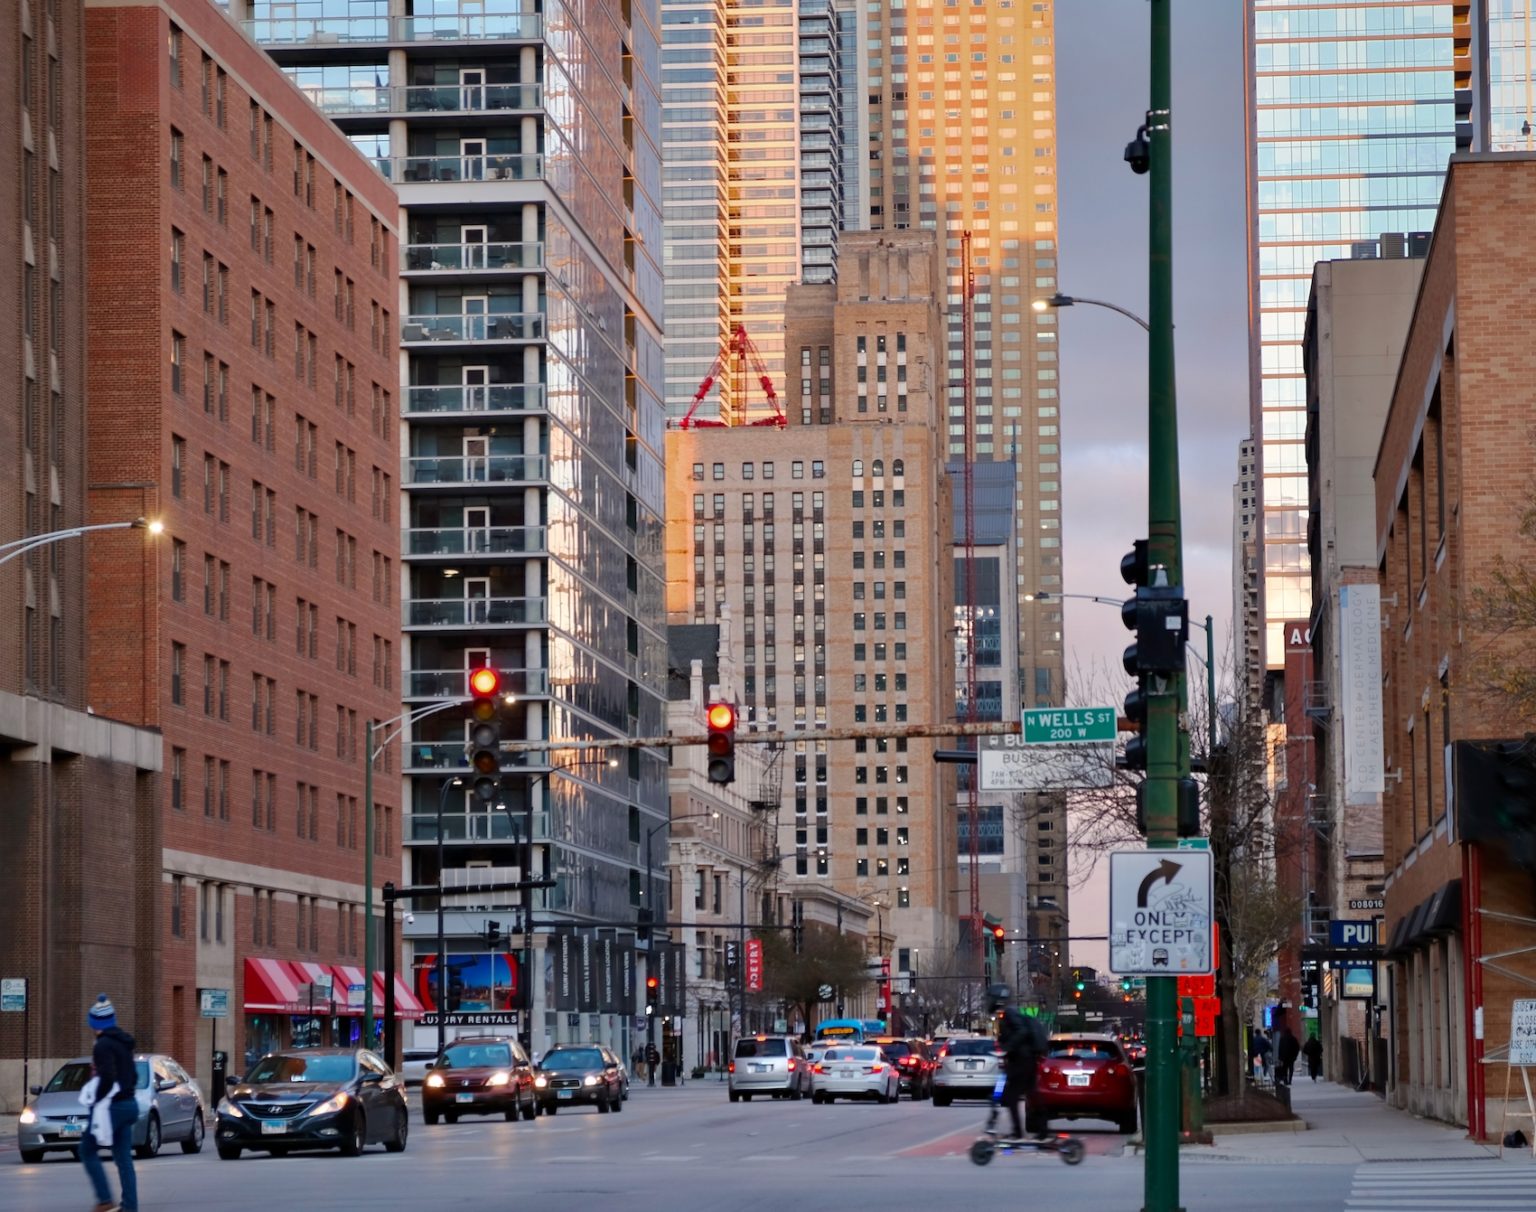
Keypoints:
pixel 298 1004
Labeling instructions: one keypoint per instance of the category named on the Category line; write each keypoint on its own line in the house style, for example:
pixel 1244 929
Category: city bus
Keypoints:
pixel 848 1030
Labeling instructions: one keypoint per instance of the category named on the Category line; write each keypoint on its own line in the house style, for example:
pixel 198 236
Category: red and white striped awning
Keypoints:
pixel 277 986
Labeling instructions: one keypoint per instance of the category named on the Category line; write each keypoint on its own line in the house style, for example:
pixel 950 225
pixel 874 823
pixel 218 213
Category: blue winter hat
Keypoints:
pixel 101 1015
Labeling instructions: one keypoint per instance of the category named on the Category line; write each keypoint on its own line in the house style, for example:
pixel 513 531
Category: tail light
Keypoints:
pixel 909 1060
pixel 731 1068
pixel 791 1066
pixel 877 1068
pixel 818 1068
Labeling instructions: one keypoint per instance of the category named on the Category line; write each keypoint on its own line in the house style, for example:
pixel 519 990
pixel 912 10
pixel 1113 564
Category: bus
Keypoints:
pixel 848 1030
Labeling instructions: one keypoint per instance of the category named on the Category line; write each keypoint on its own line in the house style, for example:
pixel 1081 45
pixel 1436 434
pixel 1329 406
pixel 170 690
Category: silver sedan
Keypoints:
pixel 171 1107
pixel 854 1071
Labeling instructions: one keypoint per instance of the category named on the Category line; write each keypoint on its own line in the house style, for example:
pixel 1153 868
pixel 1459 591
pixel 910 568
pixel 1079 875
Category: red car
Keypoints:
pixel 1083 1076
pixel 910 1056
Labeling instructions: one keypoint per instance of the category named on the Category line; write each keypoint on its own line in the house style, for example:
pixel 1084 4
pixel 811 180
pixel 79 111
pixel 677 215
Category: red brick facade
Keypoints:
pixel 243 386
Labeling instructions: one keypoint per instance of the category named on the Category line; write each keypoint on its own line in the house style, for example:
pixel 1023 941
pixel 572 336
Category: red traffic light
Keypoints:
pixel 652 982
pixel 999 933
pixel 484 683
pixel 721 717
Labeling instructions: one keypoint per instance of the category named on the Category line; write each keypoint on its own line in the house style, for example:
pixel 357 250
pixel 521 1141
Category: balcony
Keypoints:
pixel 460 541
pixel 470 258
pixel 510 166
pixel 386 100
pixel 479 613
pixel 376 31
pixel 476 328
pixel 432 400
pixel 425 471
pixel 463 827
pixel 454 683
pixel 431 756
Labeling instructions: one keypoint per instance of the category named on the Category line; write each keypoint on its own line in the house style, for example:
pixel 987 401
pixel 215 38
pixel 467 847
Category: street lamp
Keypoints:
pixel 1059 300
pixel 19 547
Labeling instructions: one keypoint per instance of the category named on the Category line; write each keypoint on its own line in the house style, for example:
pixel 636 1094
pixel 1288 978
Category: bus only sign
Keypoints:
pixel 1160 912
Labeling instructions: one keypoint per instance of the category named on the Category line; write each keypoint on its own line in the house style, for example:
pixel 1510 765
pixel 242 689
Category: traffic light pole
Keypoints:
pixel 1165 549
pixel 442 949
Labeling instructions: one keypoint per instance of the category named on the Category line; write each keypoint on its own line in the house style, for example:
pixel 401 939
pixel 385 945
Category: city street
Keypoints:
pixel 678 1150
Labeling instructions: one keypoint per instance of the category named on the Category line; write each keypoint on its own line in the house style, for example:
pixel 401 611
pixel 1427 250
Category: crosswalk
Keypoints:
pixel 1429 1186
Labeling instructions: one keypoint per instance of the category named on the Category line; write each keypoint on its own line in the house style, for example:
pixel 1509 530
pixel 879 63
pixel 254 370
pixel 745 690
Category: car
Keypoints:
pixel 171 1108
pixel 613 1056
pixel 414 1063
pixel 479 1075
pixel 775 1065
pixel 313 1098
pixel 1083 1076
pixel 910 1056
pixel 572 1074
pixel 855 1071
pixel 968 1068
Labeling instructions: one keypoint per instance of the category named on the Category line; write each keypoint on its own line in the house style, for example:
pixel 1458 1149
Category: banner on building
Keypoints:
pixel 563 944
pixel 586 973
pixel 626 977
pixel 607 972
pixel 754 953
pixel 1360 692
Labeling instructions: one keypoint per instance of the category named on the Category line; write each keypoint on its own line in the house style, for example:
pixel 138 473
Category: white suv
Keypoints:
pixel 769 1064
pixel 969 1068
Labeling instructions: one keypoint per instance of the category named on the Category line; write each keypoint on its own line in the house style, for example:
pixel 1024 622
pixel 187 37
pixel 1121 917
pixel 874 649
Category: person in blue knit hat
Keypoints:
pixel 112 1058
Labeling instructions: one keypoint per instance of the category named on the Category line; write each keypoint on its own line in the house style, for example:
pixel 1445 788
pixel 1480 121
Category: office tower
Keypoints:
pixel 830 542
pixel 79 828
pixel 523 140
pixel 1247 647
pixel 242 373
pixel 1352 116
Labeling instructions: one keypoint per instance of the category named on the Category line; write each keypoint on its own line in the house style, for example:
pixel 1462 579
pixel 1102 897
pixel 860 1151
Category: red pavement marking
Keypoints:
pixel 959 1143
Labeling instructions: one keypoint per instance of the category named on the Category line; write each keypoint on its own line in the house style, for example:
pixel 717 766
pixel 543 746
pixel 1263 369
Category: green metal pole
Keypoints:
pixel 368 956
pixel 1210 685
pixel 1167 760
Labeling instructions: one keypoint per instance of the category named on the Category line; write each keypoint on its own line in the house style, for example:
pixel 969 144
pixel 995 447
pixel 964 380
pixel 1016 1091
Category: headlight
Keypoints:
pixel 540 1082
pixel 435 1080
pixel 331 1105
pixel 230 1109
pixel 498 1079
pixel 28 1116
pixel 591 1079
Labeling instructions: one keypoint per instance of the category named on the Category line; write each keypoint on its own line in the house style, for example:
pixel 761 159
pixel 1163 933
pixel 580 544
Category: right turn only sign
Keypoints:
pixel 1160 912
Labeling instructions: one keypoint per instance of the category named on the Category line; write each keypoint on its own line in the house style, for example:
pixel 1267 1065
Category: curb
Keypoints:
pixel 1258 1126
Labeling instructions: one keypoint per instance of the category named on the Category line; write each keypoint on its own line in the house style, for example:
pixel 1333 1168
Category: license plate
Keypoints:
pixel 1079 1079
pixel 274 1127
pixel 564 1093
pixel 973 1064
pixel 69 1130
pixel 845 1073
pixel 759 1068
pixel 464 1098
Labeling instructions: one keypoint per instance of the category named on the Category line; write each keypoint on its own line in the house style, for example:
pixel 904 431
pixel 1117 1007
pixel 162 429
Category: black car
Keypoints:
pixel 579 1073
pixel 313 1098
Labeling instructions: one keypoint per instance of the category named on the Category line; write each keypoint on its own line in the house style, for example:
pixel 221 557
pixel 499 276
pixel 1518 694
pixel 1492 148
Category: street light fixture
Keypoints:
pixel 1056 301
pixel 18 547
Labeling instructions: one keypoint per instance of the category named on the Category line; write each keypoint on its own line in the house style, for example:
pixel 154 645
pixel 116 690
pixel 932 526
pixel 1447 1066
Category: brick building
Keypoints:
pixel 243 385
pixel 830 540
pixel 1452 476
pixel 77 790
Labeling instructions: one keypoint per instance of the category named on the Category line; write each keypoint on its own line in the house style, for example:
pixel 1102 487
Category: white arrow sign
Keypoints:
pixel 1160 912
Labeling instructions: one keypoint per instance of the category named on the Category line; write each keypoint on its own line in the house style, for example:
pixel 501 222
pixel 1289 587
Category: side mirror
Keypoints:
pixel 232 1079
pixel 372 1078
pixel 35 1089
pixel 165 1083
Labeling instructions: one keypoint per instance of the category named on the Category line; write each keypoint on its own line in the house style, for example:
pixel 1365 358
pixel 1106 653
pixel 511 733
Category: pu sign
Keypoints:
pixel 754 952
pixel 1344 933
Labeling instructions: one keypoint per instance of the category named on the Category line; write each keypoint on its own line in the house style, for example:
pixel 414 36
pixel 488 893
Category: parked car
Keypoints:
pixel 968 1069
pixel 579 1073
pixel 855 1071
pixel 910 1056
pixel 171 1108
pixel 414 1063
pixel 1083 1076
pixel 775 1065
pixel 313 1098
pixel 479 1075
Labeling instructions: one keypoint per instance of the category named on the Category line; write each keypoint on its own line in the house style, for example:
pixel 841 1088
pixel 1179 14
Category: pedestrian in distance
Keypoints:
pixel 1313 1051
pixel 652 1059
pixel 112 1058
pixel 1287 1049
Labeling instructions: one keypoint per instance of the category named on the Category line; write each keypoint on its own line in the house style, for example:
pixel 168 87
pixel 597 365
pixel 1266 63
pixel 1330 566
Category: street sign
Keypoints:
pixel 1160 912
pixel 356 992
pixel 824 993
pixel 1008 764
pixel 1194 843
pixel 1345 933
pixel 1068 725
pixel 473 1018
pixel 1522 1032
pixel 1197 986
pixel 13 994
pixel 213 1003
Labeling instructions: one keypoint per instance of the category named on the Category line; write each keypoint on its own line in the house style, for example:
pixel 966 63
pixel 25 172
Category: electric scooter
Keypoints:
pixel 992 1141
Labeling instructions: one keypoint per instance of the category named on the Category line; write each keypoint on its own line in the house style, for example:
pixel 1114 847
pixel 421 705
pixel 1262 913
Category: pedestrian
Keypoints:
pixel 652 1059
pixel 1287 1049
pixel 1023 1041
pixel 112 1058
pixel 1313 1051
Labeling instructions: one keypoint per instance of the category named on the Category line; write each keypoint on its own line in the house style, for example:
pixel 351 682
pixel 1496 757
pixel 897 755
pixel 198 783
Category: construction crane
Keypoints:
pixel 744 356
pixel 968 344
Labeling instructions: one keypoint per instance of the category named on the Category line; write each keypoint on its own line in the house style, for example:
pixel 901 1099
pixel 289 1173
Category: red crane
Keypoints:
pixel 744 354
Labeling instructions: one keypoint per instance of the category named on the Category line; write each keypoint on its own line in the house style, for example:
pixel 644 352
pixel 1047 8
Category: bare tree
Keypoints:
pixel 1501 616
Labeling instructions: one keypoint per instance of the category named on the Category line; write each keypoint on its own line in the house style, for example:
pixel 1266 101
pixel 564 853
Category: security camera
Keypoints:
pixel 410 919
pixel 1138 152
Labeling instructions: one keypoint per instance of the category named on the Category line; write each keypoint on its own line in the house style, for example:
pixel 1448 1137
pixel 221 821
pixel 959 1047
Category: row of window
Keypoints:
pixel 748 470
pixel 215 913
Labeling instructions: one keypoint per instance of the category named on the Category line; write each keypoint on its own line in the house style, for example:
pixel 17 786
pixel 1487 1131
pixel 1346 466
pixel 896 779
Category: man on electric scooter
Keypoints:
pixel 1023 1042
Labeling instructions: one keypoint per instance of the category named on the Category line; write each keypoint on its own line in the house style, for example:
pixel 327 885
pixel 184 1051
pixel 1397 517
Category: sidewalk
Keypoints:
pixel 1344 1127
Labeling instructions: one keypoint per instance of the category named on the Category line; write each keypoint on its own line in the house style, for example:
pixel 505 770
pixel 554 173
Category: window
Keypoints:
pixel 178 360
pixel 178 895
pixel 178 252
pixel 173 46
pixel 178 670
pixel 176 154
pixel 178 778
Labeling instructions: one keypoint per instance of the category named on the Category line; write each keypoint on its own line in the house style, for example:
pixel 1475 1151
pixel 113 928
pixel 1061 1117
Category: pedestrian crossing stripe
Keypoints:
pixel 1429 1187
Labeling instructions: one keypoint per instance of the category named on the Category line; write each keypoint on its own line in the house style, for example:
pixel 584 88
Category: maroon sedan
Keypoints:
pixel 1084 1076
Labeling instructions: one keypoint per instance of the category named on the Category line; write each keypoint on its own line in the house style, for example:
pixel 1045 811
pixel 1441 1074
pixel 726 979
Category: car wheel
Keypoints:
pixel 530 1108
pixel 194 1141
pixel 796 1094
pixel 356 1138
pixel 551 1109
pixel 151 1144
pixel 618 1104
pixel 604 1105
pixel 510 1116
pixel 451 1116
pixel 941 1100
pixel 430 1116
pixel 734 1096
pixel 816 1097
pixel 396 1143
pixel 229 1152
pixel 1127 1125
pixel 31 1156
pixel 746 1098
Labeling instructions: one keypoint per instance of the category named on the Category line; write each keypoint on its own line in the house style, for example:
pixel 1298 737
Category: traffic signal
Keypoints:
pixel 999 936
pixel 1188 808
pixel 492 934
pixel 643 926
pixel 1134 570
pixel 1078 984
pixel 1125 984
pixel 485 734
pixel 721 719
pixel 652 986
pixel 1158 614
pixel 455 992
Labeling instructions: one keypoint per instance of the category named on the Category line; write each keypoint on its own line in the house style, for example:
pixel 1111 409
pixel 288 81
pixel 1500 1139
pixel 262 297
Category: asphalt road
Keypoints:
pixel 687 1150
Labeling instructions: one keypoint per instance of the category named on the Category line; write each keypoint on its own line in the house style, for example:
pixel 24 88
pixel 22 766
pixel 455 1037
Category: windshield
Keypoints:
pixel 896 1049
pixel 971 1047
pixel 476 1056
pixel 761 1047
pixel 330 1070
pixel 573 1058
pixel 852 1054
pixel 1062 1049
pixel 69 1077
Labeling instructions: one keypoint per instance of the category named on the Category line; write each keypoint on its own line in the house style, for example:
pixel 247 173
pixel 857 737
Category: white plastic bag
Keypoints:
pixel 101 1112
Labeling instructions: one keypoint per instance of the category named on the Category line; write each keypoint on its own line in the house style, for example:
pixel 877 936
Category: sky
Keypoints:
pixel 1101 64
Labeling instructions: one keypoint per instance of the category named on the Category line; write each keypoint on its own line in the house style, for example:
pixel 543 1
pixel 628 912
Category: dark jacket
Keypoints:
pixel 113 1058
pixel 1023 1042
pixel 1289 1048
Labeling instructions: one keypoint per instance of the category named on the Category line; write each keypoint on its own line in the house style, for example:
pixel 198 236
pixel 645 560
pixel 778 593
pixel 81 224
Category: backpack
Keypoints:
pixel 1026 1040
